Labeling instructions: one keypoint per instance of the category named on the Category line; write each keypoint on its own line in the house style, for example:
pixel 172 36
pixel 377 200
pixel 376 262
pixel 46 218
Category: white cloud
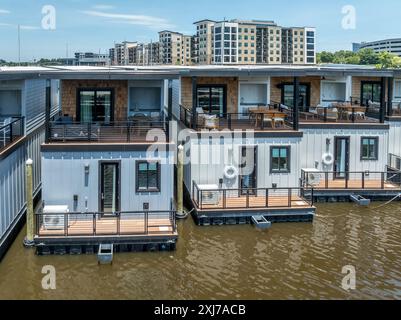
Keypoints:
pixel 4 11
pixel 142 20
pixel 103 7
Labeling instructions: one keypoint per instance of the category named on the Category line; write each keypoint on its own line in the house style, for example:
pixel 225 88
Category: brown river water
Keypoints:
pixel 289 261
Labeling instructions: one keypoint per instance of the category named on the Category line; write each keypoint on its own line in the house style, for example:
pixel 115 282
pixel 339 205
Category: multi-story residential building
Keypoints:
pixel 24 99
pixel 387 45
pixel 176 48
pixel 254 42
pixel 123 53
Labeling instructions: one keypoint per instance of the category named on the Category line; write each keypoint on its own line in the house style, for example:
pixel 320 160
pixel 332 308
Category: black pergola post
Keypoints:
pixel 296 104
pixel 47 111
pixel 383 100
pixel 390 83
pixel 194 102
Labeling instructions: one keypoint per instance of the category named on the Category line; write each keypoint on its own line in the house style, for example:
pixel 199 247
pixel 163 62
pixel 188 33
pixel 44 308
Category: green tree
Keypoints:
pixel 325 57
pixel 368 57
pixel 388 60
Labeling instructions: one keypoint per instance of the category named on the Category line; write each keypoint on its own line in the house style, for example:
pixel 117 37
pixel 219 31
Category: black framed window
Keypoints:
pixel 287 95
pixel 95 105
pixel 212 98
pixel 280 159
pixel 371 91
pixel 147 176
pixel 369 148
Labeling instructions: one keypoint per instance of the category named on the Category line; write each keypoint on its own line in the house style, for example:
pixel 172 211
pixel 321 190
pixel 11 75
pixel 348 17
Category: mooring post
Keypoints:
pixel 180 180
pixel 28 241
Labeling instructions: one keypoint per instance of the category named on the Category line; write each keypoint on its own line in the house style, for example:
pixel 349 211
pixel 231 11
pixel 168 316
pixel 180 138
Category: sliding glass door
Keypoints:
pixel 95 106
pixel 212 99
pixel 370 91
pixel 287 96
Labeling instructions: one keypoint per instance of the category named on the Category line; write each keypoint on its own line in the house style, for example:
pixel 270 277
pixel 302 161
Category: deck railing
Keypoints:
pixel 351 180
pixel 100 224
pixel 253 198
pixel 11 129
pixel 282 120
pixel 121 131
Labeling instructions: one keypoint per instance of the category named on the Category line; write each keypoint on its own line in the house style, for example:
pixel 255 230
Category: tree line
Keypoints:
pixel 382 60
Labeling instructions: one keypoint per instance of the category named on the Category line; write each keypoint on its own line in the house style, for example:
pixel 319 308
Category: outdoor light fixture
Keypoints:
pixel 87 169
pixel 274 185
pixel 328 141
pixel 367 173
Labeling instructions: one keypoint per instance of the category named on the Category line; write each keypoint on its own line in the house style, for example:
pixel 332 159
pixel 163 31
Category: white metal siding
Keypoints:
pixel 63 176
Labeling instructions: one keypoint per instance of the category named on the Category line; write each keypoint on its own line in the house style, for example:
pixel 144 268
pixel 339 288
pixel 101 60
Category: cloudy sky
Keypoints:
pixel 94 25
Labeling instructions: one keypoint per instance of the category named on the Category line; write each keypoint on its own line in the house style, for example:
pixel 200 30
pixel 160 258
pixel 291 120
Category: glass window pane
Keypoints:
pixel 87 102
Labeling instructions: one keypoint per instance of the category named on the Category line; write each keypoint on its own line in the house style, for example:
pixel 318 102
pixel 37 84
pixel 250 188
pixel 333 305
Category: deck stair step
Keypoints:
pixel 360 200
pixel 261 223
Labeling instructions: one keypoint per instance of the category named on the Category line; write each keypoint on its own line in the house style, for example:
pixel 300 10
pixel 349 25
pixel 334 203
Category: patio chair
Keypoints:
pixel 207 121
pixel 279 119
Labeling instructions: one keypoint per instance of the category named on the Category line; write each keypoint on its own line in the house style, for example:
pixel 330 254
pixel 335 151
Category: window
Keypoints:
pixel 371 91
pixel 280 159
pixel 95 105
pixel 369 148
pixel 147 176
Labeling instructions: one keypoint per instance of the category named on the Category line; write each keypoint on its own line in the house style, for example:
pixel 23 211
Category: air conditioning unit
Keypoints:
pixel 313 177
pixel 53 217
pixel 208 195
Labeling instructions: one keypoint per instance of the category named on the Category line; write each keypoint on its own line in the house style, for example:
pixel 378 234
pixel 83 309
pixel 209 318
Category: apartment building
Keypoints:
pixel 123 53
pixel 176 48
pixel 91 59
pixel 254 42
pixel 385 45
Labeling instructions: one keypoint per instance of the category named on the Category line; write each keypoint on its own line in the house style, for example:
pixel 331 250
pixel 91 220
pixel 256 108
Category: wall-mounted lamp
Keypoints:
pixel 328 141
pixel 367 173
pixel 87 167
pixel 274 185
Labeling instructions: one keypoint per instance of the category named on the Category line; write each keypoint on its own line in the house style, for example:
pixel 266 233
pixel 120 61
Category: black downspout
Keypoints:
pixel 296 105
pixel 47 111
pixel 390 96
pixel 170 101
pixel 194 102
pixel 383 100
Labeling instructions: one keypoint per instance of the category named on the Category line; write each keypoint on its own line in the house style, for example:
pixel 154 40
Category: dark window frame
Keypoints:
pixel 308 91
pixel 210 86
pixel 78 102
pixel 376 146
pixel 288 170
pixel 148 190
pixel 372 83
pixel 100 185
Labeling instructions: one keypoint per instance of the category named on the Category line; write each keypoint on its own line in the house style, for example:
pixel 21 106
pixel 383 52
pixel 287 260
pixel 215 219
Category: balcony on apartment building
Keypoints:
pixel 11 130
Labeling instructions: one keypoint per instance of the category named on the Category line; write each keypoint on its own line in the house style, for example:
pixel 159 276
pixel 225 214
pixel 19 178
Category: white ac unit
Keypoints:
pixel 208 195
pixel 53 217
pixel 313 177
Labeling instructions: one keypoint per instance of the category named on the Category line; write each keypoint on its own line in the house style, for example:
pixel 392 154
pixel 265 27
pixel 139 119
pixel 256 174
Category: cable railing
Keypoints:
pixel 343 180
pixel 251 198
pixel 97 224
pixel 272 117
pixel 112 132
pixel 11 129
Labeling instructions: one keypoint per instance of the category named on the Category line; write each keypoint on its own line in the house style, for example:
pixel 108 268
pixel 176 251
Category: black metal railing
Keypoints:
pixel 121 131
pixel 11 129
pixel 102 224
pixel 351 180
pixel 252 198
pixel 275 118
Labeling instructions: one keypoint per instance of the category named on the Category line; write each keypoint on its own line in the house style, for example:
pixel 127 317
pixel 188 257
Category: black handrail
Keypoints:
pixel 12 130
pixel 199 197
pixel 351 179
pixel 72 219
pixel 117 131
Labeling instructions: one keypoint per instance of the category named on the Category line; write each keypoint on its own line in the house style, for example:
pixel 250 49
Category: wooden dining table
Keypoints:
pixel 273 114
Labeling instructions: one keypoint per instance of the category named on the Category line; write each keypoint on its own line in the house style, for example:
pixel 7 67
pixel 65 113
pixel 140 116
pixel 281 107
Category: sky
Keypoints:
pixel 95 25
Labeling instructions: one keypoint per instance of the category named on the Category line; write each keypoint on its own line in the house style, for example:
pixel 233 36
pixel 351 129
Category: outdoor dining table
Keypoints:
pixel 273 114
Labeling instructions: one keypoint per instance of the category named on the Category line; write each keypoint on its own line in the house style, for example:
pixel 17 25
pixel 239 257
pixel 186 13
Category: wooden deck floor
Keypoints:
pixel 257 202
pixel 109 227
pixel 357 185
